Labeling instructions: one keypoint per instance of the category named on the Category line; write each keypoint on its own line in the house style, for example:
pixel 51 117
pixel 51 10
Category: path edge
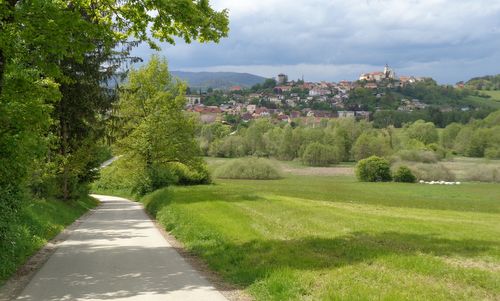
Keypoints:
pixel 11 289
pixel 229 291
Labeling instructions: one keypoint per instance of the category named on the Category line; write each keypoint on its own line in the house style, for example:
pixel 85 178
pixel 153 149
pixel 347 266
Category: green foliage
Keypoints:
pixel 418 156
pixel 248 168
pixel 373 169
pixel 422 131
pixel 348 139
pixel 362 98
pixel 371 144
pixel 449 134
pixel 489 82
pixel 318 154
pixel 132 178
pixel 492 152
pixel 404 174
pixel 157 132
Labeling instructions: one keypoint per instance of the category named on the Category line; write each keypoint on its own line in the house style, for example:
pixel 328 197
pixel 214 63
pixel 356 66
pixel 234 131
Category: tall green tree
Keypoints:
pixel 157 132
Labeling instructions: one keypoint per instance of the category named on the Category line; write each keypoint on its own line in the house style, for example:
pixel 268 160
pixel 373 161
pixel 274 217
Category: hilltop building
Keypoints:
pixel 282 79
pixel 377 76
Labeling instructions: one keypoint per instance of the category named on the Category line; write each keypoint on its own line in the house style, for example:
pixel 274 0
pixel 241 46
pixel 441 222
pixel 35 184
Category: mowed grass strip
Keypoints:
pixel 328 238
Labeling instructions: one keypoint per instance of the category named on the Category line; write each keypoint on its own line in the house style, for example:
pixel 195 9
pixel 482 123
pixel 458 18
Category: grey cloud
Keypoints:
pixel 352 33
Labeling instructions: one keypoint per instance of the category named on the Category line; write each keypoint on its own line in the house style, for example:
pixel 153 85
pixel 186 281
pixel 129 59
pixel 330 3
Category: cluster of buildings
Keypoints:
pixel 248 112
pixel 386 78
pixel 411 105
pixel 291 100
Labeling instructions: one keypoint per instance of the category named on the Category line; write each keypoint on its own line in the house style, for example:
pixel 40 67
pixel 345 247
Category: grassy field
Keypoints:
pixel 495 95
pixel 493 102
pixel 39 222
pixel 333 238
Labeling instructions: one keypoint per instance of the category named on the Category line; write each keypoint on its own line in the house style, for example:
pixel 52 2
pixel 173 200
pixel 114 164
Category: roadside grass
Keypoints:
pixel 38 222
pixel 333 238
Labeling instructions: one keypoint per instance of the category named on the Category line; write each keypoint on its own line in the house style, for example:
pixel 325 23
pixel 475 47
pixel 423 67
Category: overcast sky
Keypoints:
pixel 449 40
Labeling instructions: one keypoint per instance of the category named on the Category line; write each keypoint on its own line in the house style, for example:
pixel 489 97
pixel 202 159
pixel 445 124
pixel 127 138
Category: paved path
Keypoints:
pixel 117 254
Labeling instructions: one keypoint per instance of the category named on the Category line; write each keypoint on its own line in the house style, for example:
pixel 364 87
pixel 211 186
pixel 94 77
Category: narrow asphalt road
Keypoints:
pixel 117 254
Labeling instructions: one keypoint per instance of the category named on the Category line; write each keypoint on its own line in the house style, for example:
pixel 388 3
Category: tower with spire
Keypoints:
pixel 388 72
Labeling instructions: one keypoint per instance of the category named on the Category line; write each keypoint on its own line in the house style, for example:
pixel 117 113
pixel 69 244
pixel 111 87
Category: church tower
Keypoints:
pixel 388 72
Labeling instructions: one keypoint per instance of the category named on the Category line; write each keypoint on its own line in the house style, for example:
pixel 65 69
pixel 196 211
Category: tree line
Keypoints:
pixel 345 139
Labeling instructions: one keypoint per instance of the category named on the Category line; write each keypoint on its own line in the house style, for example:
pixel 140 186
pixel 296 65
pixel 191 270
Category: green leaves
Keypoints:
pixel 156 131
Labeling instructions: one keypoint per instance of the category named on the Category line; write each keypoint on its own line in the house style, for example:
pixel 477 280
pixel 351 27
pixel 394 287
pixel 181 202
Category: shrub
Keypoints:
pixel 248 168
pixel 129 175
pixel 418 156
pixel 405 175
pixel 197 174
pixel 318 154
pixel 492 152
pixel 432 172
pixel 373 169
pixel 484 174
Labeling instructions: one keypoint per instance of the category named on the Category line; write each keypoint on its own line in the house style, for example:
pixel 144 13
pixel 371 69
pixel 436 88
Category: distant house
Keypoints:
pixel 346 114
pixel 246 117
pixel 261 112
pixel 193 99
pixel 251 108
pixel 317 91
pixel 254 96
pixel 371 86
pixel 346 85
pixel 283 117
pixel 362 114
pixel 372 76
pixel 235 88
pixel 275 100
pixel 281 89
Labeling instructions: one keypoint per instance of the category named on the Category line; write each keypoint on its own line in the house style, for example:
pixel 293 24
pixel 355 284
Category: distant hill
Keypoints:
pixel 488 82
pixel 218 80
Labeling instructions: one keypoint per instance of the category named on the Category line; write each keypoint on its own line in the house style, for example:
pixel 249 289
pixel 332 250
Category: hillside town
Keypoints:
pixel 285 100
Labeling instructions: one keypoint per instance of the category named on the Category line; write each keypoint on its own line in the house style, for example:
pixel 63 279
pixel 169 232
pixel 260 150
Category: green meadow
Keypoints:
pixel 311 237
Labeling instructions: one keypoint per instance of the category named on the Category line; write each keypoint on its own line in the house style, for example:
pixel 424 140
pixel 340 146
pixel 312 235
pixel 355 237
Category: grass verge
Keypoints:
pixel 37 223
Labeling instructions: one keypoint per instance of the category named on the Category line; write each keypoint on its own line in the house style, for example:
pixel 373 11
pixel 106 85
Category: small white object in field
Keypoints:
pixel 439 183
